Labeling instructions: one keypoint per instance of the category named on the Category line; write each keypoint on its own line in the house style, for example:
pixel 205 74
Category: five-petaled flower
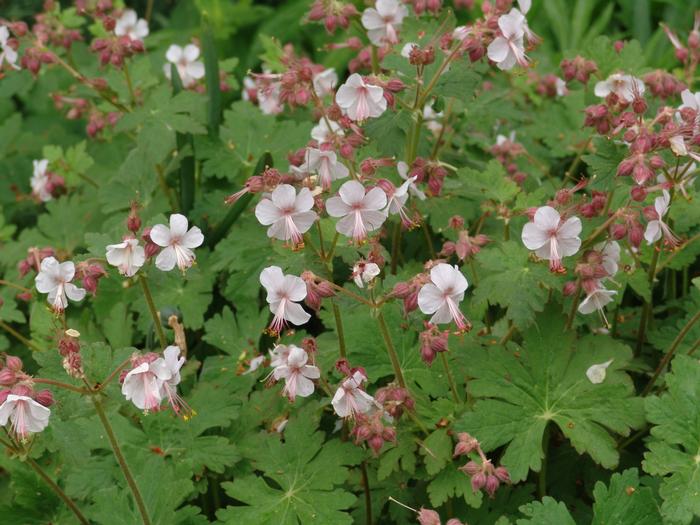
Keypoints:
pixel 551 238
pixel 508 49
pixel 177 243
pixel 55 278
pixel 626 87
pixel 442 295
pixel 128 256
pixel 188 67
pixel 131 25
pixel 289 215
pixel 284 292
pixel 360 211
pixel 360 100
pixel 350 400
pixel 383 20
pixel 325 163
pixel 25 415
pixel 297 374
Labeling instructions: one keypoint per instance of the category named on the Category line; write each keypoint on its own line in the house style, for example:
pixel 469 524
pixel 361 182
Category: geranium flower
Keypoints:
pixel 508 49
pixel 324 163
pixel 173 362
pixel 25 415
pixel 130 25
pixel 279 355
pixel 596 300
pixel 624 86
pixel 188 67
pixel 383 20
pixel 691 100
pixel 364 273
pixel 611 256
pixel 442 295
pixel 7 52
pixel 128 256
pixel 657 228
pixel 284 292
pixel 396 202
pixel 297 374
pixel 55 278
pixel 402 168
pixel 550 238
pixel 360 212
pixel 289 215
pixel 325 81
pixel 350 399
pixel 143 385
pixel 40 181
pixel 177 243
pixel 359 100
pixel 325 130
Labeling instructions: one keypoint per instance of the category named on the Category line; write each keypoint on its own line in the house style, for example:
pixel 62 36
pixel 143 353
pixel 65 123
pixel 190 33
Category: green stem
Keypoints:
pixel 154 312
pixel 339 330
pixel 395 241
pixel 450 379
pixel 574 305
pixel 320 240
pixel 14 333
pixel 59 384
pixel 671 351
pixel 414 136
pixel 391 350
pixel 122 462
pixel 129 85
pixel 646 310
pixel 368 494
pixel 428 240
pixel 58 490
pixel 15 286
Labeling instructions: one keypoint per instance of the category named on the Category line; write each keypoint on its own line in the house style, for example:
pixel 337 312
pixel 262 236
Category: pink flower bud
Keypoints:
pixel 638 193
pixel 569 288
pixel 618 231
pixel 502 474
pixel 4 394
pixel 14 363
pixel 44 397
pixel 478 481
pixel 7 377
pixel 471 469
pixel 428 517
pixel 491 485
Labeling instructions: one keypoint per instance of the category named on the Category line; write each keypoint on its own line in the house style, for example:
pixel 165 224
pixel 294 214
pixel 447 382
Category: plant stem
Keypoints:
pixel 574 305
pixel 154 312
pixel 114 374
pixel 122 462
pixel 129 85
pixel 58 490
pixel 395 241
pixel 26 342
pixel 320 239
pixel 390 349
pixel 428 240
pixel 542 479
pixel 339 330
pixel 15 286
pixel 368 496
pixel 450 379
pixel 375 61
pixel 671 351
pixel 646 310
pixel 59 384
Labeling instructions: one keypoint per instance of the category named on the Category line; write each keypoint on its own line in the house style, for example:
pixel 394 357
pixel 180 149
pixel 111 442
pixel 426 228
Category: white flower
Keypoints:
pixel 25 415
pixel 364 272
pixel 359 100
pixel 350 399
pixel 55 278
pixel 396 203
pixel 168 389
pixel 383 20
pixel 624 86
pixel 143 385
pixel 442 295
pixel 177 243
pixel 7 53
pixel 129 24
pixel 690 100
pixel 508 49
pixel 325 130
pixel 40 181
pixel 407 48
pixel 402 168
pixel 297 374
pixel 502 139
pixel 611 256
pixel 550 239
pixel 596 300
pixel 596 373
pixel 360 212
pixel 255 364
pixel 658 228
pixel 289 215
pixel 279 355
pixel 188 67
pixel 128 256
pixel 677 143
pixel 325 81
pixel 324 163
pixel 284 292
pixel 269 99
pixel 560 87
pixel 432 119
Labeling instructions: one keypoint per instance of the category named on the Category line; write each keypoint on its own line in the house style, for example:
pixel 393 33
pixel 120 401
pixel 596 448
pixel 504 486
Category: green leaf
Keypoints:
pixel 521 391
pixel 488 184
pixel 675 440
pixel 624 501
pixel 437 451
pixel 459 82
pixel 451 483
pixel 547 512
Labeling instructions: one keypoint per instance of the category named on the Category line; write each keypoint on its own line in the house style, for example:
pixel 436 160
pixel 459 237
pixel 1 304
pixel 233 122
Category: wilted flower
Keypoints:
pixel 550 238
pixel 128 256
pixel 297 374
pixel 188 67
pixel 55 278
pixel 596 373
pixel 360 211
pixel 596 300
pixel 325 81
pixel 289 215
pixel 383 20
pixel 360 100
pixel 284 292
pixel 130 25
pixel 177 243
pixel 442 295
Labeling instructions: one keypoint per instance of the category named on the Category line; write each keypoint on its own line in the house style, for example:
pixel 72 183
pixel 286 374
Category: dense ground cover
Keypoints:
pixel 341 262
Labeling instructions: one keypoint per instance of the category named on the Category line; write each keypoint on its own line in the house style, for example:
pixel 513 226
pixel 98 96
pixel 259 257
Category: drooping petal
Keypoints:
pixel 74 293
pixel 296 315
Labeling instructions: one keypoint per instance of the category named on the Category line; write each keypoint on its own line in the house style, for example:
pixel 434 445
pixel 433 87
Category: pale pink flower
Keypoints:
pixel 168 390
pixel 279 355
pixel 626 87
pixel 25 415
pixel 690 100
pixel 402 168
pixel 596 300
pixel 7 52
pixel 289 215
pixel 550 238
pixel 611 256
pixel 284 292
pixel 360 212
pixel 128 256
pixel 325 130
pixel 143 385
pixel 254 364
pixel 658 227
pixel 508 49
pixel 297 374
pixel 364 273
pixel 55 278
pixel 396 202
pixel 360 101
pixel 177 243
pixel 269 99
pixel 188 67
pixel 442 295
pixel 325 81
pixel 129 24
pixel 325 164
pixel 40 181
pixel 383 20
pixel 350 399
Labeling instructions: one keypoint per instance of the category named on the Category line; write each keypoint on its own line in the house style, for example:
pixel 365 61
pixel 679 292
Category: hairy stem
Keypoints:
pixel 646 310
pixel 339 330
pixel 59 384
pixel 122 462
pixel 368 495
pixel 154 313
pixel 390 349
pixel 14 333
pixel 450 379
